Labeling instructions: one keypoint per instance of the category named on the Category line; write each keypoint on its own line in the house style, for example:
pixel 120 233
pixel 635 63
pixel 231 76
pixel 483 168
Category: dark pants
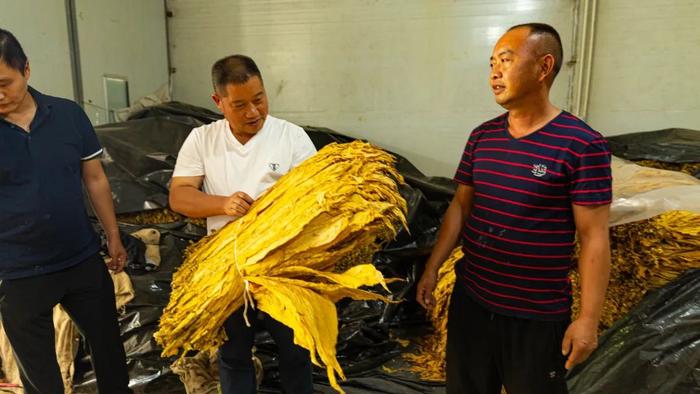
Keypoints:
pixel 236 370
pixel 487 350
pixel 86 292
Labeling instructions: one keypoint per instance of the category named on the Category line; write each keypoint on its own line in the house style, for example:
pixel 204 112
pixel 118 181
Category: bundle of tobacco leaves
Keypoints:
pixel 288 255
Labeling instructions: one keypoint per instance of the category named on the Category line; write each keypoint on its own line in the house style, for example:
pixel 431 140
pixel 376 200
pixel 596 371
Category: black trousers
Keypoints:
pixel 86 292
pixel 487 350
pixel 236 369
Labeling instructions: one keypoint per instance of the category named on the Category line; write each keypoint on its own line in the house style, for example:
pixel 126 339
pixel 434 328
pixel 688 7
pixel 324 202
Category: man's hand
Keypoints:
pixel 237 204
pixel 580 340
pixel 117 253
pixel 424 291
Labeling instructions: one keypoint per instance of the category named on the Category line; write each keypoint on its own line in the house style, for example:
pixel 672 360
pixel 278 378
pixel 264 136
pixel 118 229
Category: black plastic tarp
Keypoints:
pixel 140 156
pixel 148 371
pixel 141 152
pixel 668 145
pixel 654 349
pixel 176 108
pixel 364 340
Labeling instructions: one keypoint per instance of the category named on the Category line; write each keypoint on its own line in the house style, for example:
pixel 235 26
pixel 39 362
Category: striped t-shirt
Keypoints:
pixel 519 238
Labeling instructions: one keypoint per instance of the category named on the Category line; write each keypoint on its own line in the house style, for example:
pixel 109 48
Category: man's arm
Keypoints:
pixel 100 195
pixel 581 338
pixel 450 230
pixel 187 198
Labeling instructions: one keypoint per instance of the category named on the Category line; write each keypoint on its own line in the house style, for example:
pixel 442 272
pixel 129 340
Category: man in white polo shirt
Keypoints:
pixel 233 161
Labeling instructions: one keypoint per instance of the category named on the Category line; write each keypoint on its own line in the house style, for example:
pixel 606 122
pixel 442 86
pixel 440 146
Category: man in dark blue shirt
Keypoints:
pixel 528 181
pixel 48 249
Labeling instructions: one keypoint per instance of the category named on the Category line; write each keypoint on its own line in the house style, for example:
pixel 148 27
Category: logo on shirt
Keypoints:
pixel 539 170
pixel 274 166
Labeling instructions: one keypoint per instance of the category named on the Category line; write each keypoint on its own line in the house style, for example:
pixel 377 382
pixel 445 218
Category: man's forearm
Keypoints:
pixel 194 203
pixel 594 269
pixel 100 195
pixel 448 236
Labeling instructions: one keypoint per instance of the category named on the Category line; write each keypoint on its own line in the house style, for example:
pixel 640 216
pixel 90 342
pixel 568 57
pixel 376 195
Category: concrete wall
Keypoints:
pixel 41 28
pixel 410 75
pixel 645 66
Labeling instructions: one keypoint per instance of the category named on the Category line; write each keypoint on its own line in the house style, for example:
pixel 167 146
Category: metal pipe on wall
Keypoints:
pixel 74 49
pixel 171 70
pixel 583 57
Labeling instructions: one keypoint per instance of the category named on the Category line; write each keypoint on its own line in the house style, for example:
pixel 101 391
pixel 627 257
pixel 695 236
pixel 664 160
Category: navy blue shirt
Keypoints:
pixel 43 223
pixel 519 237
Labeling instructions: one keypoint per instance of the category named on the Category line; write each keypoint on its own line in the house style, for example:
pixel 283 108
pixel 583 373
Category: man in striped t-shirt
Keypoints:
pixel 528 181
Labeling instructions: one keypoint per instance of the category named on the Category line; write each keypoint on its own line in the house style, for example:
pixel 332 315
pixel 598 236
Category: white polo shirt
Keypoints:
pixel 229 166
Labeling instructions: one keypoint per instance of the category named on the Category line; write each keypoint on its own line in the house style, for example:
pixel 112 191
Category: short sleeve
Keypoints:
pixel 463 174
pixel 189 159
pixel 91 145
pixel 303 148
pixel 591 182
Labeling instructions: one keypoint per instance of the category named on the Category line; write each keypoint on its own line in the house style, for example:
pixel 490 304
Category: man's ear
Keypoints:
pixel 217 100
pixel 547 63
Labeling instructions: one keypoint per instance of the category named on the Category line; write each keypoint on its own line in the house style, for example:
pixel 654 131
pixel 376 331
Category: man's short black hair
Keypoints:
pixel 235 69
pixel 11 52
pixel 551 44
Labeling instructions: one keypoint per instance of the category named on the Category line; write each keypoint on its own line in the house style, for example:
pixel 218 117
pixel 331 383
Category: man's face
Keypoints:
pixel 13 88
pixel 244 106
pixel 514 68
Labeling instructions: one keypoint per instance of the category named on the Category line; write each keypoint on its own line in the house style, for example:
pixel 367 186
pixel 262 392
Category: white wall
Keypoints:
pixel 645 66
pixel 41 28
pixel 126 38
pixel 410 75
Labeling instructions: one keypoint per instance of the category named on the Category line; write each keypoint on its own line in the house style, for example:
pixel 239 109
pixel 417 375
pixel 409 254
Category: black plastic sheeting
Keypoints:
pixel 657 344
pixel 149 372
pixel 364 342
pixel 654 349
pixel 668 145
pixel 140 156
pixel 178 109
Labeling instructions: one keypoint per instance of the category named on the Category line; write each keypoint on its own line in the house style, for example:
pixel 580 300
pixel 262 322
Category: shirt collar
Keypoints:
pixel 41 101
pixel 43 107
